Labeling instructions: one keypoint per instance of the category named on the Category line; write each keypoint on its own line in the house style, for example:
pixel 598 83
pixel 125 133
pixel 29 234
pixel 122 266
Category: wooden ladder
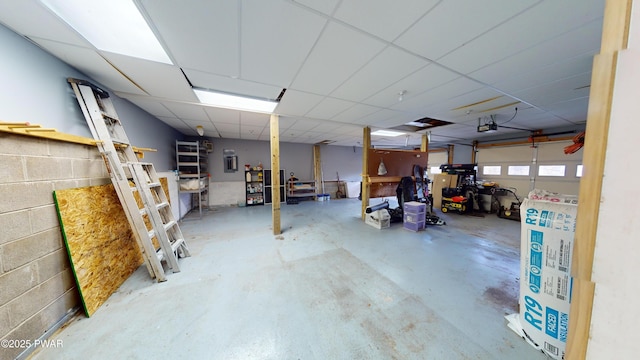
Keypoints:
pixel 156 231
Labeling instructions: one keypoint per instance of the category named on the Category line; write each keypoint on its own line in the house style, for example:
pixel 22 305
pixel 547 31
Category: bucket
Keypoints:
pixel 320 197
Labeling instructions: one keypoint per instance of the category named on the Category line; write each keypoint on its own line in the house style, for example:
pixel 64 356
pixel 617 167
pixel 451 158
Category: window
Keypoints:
pixel 551 170
pixel 579 171
pixel 491 170
pixel 435 170
pixel 518 170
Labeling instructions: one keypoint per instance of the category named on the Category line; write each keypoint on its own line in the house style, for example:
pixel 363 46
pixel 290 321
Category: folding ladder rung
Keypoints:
pixel 162 205
pixel 159 206
pixel 176 244
pixel 154 184
pixel 105 115
pixel 170 224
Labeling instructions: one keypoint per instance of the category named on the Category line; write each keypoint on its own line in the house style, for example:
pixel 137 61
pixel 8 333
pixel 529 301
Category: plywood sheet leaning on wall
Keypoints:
pixel 100 244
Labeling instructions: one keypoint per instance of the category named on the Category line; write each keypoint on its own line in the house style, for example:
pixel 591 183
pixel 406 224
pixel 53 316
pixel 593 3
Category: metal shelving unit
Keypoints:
pixel 193 174
pixel 254 187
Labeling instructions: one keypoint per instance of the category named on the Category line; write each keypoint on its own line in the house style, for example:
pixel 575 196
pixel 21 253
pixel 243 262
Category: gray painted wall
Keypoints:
pixel 297 158
pixel 34 89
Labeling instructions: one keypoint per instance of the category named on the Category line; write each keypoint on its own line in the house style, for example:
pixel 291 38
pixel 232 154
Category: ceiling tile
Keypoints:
pixel 285 122
pixel 151 106
pixel 380 73
pixel 326 126
pixel 516 34
pixel 33 19
pixel 172 121
pixel 90 63
pixel 326 7
pixel 269 52
pixel 328 108
pixel 397 16
pixel 575 113
pixel 187 111
pixel 334 58
pixel 304 124
pixel 251 132
pixel 538 61
pixel 426 78
pixel 218 115
pixel 471 19
pixel 558 91
pixel 297 103
pixel 157 79
pixel 418 104
pixel 197 32
pixel 355 113
pixel 254 119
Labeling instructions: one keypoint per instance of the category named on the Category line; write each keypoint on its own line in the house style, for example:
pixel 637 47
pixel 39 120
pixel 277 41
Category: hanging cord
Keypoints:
pixel 513 117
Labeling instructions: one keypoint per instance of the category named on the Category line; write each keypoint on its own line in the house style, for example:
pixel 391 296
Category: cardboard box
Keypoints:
pixel 441 181
pixel 547 238
pixel 379 219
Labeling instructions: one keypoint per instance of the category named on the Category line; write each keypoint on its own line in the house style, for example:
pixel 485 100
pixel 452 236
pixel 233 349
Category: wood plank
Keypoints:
pixel 615 33
pixel 38 131
pixel 99 241
pixel 450 149
pixel 35 130
pixel 474 151
pixel 366 145
pixel 424 146
pixel 317 168
pixel 579 325
pixel 275 173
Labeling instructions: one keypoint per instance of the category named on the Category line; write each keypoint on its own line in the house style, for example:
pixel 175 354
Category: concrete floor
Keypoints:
pixel 329 287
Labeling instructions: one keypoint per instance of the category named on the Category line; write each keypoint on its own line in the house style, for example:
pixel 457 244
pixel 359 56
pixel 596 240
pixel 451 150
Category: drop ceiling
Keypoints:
pixel 344 64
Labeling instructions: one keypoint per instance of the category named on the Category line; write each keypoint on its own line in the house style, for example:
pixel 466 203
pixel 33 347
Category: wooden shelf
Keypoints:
pixel 301 188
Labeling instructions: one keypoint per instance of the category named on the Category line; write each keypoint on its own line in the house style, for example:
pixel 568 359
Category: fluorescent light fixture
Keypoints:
pixel 116 26
pixel 235 102
pixel 386 133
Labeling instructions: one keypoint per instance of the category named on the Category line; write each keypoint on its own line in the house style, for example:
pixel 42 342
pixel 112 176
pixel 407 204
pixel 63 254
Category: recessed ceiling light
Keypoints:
pixel 116 26
pixel 235 102
pixel 386 133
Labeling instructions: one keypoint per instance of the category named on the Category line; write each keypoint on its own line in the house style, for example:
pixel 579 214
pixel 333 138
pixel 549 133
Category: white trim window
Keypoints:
pixel 518 170
pixel 491 170
pixel 551 170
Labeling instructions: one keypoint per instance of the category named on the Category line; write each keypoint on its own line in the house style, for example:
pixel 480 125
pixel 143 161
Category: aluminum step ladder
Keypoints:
pixel 156 231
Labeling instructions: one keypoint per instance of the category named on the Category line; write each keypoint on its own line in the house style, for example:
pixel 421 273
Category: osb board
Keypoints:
pixel 102 249
pixel 100 244
pixel 383 189
pixel 165 187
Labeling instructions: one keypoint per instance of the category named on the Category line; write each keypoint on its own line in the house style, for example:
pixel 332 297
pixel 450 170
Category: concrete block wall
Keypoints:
pixel 36 281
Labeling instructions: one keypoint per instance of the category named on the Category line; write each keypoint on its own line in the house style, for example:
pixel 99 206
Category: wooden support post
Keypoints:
pixel 366 145
pixel 317 168
pixel 615 34
pixel 425 143
pixel 450 154
pixel 275 173
pixel 474 152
